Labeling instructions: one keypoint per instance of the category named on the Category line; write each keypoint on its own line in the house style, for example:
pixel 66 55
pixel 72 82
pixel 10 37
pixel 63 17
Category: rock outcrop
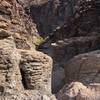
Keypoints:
pixel 25 74
pixel 78 91
pixel 74 35
pixel 36 70
pixel 83 68
pixel 72 70
pixel 9 66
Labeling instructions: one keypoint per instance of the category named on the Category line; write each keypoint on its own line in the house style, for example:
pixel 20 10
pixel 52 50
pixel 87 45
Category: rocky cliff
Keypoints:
pixel 25 74
pixel 64 65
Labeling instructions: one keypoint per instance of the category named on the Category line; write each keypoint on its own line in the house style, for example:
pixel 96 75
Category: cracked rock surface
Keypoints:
pixel 25 74
pixel 67 67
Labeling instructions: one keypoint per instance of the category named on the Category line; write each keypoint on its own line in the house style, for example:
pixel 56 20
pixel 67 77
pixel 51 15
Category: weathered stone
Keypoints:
pixel 36 68
pixel 6 3
pixel 19 62
pixel 84 68
pixel 73 46
pixel 9 65
pixel 45 97
pixel 4 10
pixel 78 91
pixel 23 95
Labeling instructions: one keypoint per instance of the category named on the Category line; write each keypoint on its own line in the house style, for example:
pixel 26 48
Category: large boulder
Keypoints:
pixel 84 68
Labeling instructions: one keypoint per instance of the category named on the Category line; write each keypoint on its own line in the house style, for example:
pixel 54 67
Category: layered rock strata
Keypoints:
pixel 25 74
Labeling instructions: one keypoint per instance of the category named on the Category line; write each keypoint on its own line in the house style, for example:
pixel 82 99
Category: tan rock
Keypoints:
pixel 3 25
pixel 22 43
pixel 6 4
pixel 78 91
pixel 36 68
pixel 26 3
pixel 9 66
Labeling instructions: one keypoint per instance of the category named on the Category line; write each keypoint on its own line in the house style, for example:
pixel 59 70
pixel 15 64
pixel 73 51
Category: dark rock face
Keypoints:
pixel 56 14
pixel 68 48
pixel 52 14
pixel 83 37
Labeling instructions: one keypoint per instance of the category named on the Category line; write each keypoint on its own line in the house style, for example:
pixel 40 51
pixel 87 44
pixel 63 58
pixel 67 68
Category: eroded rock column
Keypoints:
pixel 36 70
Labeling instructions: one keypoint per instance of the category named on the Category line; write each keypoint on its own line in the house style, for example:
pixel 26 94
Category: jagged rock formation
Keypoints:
pixel 25 74
pixel 63 50
pixel 36 68
pixel 70 47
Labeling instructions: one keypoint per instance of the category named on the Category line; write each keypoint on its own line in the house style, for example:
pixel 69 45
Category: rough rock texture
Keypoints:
pixel 83 68
pixel 9 66
pixel 26 95
pixel 36 68
pixel 78 91
pixel 25 74
pixel 52 14
pixel 57 14
pixel 27 3
pixel 17 22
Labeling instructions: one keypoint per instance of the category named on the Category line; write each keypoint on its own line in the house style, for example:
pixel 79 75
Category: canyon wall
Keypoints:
pixel 62 66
